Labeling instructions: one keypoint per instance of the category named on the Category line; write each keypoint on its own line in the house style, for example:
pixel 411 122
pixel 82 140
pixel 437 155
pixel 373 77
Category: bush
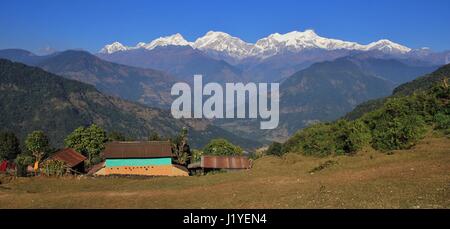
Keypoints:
pixel 53 168
pixel 392 133
pixel 351 136
pixel 314 140
pixel 442 121
pixel 221 147
pixel 276 149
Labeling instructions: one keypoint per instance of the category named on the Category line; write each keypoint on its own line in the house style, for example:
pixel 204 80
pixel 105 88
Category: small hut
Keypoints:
pixel 71 158
pixel 209 163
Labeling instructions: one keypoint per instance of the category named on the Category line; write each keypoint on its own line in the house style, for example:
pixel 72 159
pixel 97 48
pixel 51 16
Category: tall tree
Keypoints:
pixel 38 144
pixel 181 148
pixel 89 141
pixel 9 146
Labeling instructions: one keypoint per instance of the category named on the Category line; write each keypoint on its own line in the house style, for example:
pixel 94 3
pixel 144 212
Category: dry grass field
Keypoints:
pixel 414 178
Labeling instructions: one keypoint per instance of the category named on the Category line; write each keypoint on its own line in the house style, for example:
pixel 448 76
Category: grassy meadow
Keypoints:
pixel 415 178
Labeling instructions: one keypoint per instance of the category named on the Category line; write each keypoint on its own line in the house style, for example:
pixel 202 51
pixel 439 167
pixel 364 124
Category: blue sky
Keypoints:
pixel 35 25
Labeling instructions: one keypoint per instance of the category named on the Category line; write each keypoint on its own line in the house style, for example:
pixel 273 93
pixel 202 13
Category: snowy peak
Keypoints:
pixel 387 46
pixel 296 41
pixel 176 39
pixel 223 42
pixel 215 42
pixel 114 47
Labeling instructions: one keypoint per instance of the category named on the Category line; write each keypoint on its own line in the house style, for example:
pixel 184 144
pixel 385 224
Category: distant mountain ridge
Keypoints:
pixel 270 59
pixel 147 86
pixel 180 61
pixel 328 90
pixel 265 47
pixel 422 83
pixel 33 99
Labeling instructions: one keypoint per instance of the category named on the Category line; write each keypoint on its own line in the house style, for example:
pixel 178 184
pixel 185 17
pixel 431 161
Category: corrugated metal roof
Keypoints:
pixel 69 156
pixel 225 162
pixel 150 149
pixel 96 168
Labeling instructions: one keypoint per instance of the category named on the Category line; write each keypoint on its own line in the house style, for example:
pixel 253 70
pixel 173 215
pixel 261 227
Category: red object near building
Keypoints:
pixel 3 166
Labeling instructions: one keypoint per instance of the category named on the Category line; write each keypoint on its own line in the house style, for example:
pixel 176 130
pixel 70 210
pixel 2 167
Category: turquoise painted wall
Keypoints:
pixel 138 162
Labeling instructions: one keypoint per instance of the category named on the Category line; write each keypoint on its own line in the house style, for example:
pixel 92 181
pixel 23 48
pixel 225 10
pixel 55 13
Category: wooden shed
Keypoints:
pixel 228 163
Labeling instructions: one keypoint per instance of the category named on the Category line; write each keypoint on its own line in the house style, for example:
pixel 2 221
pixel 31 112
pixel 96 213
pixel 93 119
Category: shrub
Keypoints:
pixel 53 168
pixel 315 140
pixel 276 149
pixel 442 121
pixel 221 147
pixel 351 136
pixel 392 133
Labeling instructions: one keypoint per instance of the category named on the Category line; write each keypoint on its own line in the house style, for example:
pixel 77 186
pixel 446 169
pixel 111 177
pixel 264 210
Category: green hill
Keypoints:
pixel 33 99
pixel 420 84
pixel 396 122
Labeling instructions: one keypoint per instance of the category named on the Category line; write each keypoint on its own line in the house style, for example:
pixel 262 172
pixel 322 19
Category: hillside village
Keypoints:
pixel 91 152
pixel 408 115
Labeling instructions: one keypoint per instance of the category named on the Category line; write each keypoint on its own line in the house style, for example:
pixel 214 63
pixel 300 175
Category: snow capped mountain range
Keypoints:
pixel 271 45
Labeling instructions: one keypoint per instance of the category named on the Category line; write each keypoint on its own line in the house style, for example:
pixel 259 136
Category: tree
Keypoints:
pixel 38 144
pixel 9 146
pixel 221 147
pixel 181 148
pixel 22 162
pixel 89 141
pixel 196 155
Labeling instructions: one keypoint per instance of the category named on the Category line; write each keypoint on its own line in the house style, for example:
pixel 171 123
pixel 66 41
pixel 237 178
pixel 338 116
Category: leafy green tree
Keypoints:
pixel 181 149
pixel 38 144
pixel 9 146
pixel 89 141
pixel 196 155
pixel 221 147
pixel 22 161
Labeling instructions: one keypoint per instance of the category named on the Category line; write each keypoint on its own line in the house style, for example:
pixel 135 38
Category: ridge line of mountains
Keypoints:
pixel 316 85
pixel 33 99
